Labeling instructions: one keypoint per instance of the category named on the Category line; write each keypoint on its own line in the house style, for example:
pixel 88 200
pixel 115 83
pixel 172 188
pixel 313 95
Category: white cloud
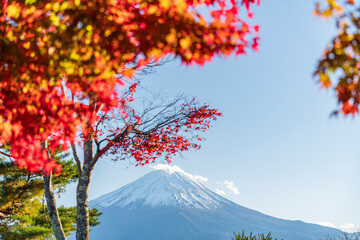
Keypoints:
pixel 220 192
pixel 198 178
pixel 327 224
pixel 347 227
pixel 230 186
pixel 173 168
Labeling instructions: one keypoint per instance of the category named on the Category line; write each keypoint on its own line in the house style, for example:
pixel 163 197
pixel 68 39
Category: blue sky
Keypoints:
pixel 276 142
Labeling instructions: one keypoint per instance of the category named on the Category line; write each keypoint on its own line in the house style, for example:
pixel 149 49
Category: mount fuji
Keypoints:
pixel 172 205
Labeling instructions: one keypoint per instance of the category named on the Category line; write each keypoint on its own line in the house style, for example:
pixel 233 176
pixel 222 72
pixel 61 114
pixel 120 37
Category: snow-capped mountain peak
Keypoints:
pixel 169 203
pixel 164 187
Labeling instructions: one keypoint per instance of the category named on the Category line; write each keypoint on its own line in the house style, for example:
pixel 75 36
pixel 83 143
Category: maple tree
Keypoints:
pixel 159 129
pixel 63 62
pixel 88 48
pixel 339 66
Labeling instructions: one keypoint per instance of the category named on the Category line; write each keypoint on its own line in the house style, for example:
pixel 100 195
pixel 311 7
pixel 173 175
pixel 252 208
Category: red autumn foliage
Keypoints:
pixel 52 48
pixel 338 68
pixel 157 131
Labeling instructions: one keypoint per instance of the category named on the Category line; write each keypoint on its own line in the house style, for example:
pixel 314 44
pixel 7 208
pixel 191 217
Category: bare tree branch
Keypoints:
pixel 77 160
pixel 5 154
pixel 156 113
pixel 115 140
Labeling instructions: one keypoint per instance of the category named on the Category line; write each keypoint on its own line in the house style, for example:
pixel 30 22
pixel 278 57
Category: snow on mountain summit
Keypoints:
pixel 170 204
pixel 173 168
pixel 165 186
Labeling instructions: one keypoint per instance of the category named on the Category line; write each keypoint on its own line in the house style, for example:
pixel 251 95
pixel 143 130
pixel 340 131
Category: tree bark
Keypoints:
pixel 51 205
pixel 52 209
pixel 82 192
pixel 44 208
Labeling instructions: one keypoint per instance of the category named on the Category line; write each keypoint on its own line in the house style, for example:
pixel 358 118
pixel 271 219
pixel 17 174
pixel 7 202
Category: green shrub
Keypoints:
pixel 242 236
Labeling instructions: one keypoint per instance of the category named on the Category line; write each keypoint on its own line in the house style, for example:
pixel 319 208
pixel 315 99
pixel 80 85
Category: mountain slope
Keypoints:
pixel 163 189
pixel 171 205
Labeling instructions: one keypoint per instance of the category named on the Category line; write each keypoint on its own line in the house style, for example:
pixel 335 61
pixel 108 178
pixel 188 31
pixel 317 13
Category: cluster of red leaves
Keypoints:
pixel 340 64
pixel 164 142
pixel 50 48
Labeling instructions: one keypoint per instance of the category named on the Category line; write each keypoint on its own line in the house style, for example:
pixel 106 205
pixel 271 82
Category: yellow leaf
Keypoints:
pixel 64 6
pixel 74 56
pixel 88 54
pixel 107 73
pixel 327 13
pixel 13 11
pixel 107 32
pixel 185 42
pixel 335 5
pixel 10 36
pixel 155 53
pixel 171 37
pixel 48 6
pixel 56 7
pixel 153 9
pixel 77 2
pixel 180 5
pixel 89 28
pixel 188 55
pixel 325 80
pixel 26 45
pixel 55 19
pixel 30 10
pixel 165 3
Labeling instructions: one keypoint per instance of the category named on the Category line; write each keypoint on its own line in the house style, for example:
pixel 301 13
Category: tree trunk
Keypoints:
pixel 52 209
pixel 82 191
pixel 51 205
pixel 44 208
